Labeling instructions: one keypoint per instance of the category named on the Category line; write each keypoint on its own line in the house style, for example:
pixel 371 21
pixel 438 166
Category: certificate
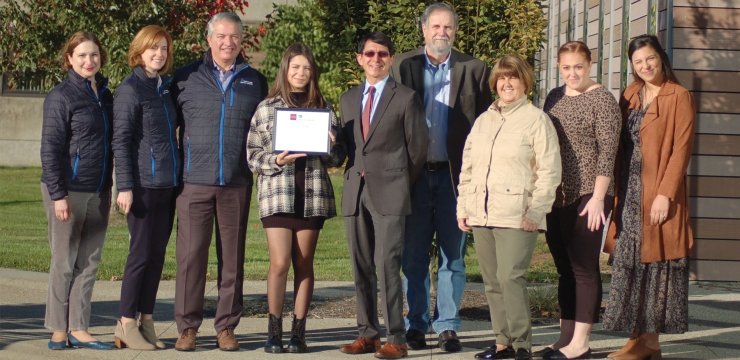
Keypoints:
pixel 301 131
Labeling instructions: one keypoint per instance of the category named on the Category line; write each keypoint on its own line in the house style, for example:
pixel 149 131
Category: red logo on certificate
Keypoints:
pixel 292 116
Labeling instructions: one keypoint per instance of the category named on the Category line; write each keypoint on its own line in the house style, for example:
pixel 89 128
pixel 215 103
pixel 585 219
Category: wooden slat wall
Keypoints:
pixel 706 58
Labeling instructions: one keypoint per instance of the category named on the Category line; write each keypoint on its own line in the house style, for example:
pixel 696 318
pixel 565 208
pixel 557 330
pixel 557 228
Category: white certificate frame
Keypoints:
pixel 299 130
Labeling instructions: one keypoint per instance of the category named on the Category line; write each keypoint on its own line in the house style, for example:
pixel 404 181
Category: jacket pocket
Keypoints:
pixel 507 202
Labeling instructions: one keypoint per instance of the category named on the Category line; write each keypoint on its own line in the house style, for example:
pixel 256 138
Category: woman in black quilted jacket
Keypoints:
pixel 76 167
pixel 147 173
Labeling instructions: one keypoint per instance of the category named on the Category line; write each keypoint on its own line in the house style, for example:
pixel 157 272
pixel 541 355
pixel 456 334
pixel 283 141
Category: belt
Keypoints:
pixel 437 166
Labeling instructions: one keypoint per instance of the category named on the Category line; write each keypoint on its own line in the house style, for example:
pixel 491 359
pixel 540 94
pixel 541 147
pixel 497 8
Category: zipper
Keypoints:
pixel 171 137
pixel 105 134
pixel 490 159
pixel 151 156
pixel 75 165
pixel 222 119
pixel 187 165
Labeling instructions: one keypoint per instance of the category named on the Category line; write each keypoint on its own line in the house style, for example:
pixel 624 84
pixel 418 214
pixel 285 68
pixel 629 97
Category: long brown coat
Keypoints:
pixel 666 139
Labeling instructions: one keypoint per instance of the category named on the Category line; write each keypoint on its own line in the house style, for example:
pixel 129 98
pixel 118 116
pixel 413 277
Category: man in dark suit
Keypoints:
pixel 383 126
pixel 454 89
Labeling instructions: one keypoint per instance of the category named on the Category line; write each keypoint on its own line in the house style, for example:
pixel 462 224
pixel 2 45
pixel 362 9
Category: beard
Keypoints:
pixel 440 46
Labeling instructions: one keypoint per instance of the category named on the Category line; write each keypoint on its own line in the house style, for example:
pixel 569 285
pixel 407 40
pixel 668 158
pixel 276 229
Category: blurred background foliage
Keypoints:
pixel 487 29
pixel 33 32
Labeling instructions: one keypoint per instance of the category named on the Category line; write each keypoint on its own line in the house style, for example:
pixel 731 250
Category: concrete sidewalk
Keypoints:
pixel 714 328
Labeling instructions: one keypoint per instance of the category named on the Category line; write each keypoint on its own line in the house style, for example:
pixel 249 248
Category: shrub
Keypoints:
pixel 33 32
pixel 487 29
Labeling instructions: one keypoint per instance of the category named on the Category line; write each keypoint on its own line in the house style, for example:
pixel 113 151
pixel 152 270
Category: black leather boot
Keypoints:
pixel 297 342
pixel 274 342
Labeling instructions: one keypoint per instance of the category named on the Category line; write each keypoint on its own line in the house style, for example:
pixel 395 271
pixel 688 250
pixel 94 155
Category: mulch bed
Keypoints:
pixel 474 308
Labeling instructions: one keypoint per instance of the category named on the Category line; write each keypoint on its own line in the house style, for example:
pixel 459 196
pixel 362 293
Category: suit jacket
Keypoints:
pixel 666 138
pixel 393 154
pixel 470 95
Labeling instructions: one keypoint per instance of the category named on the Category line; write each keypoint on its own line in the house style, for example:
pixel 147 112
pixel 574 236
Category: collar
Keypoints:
pixel 237 66
pixel 428 61
pixel 141 74
pixel 100 80
pixel 633 90
pixel 510 108
pixel 378 86
pixel 219 69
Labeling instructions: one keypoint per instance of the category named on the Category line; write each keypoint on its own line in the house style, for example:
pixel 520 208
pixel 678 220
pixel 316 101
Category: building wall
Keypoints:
pixel 701 38
pixel 706 56
pixel 20 130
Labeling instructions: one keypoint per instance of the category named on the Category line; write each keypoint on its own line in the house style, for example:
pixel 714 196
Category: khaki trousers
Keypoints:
pixel 503 257
pixel 76 246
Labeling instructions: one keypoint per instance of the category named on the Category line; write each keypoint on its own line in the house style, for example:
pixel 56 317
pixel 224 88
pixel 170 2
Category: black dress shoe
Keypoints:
pixel 449 342
pixel 557 355
pixel 540 354
pixel 416 339
pixel 491 353
pixel 522 354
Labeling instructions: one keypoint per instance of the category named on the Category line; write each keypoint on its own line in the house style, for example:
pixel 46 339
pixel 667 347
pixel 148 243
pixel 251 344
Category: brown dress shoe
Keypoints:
pixel 392 351
pixel 361 345
pixel 186 341
pixel 227 341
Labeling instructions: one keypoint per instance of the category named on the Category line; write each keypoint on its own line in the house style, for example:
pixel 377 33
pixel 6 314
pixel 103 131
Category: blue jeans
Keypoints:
pixel 434 206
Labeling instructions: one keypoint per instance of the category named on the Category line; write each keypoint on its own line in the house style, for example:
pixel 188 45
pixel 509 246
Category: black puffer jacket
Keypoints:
pixel 144 140
pixel 215 121
pixel 76 136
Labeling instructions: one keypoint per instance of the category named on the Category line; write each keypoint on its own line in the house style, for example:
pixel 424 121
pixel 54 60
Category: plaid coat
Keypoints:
pixel 275 184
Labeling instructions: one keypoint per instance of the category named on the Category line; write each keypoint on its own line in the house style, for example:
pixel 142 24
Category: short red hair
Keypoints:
pixel 146 38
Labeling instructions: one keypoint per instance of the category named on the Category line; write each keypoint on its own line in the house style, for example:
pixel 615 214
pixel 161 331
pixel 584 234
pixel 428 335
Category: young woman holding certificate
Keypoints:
pixel 295 194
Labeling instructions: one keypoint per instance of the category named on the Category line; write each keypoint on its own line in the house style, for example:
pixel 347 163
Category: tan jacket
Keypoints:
pixel 511 167
pixel 666 138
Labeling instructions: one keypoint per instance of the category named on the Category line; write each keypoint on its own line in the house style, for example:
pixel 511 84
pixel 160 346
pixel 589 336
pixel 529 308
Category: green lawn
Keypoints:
pixel 24 245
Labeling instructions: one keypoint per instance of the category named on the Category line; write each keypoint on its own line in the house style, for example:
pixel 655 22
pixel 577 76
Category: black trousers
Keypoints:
pixel 576 251
pixel 150 224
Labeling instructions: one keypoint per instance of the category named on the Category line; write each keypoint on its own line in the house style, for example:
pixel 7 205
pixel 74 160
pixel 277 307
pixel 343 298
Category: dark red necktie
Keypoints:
pixel 366 111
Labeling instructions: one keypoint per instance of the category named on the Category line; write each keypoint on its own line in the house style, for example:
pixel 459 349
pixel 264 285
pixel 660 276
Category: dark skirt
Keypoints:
pixel 294 221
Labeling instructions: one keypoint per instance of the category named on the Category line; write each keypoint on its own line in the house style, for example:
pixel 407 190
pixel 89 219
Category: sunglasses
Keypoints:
pixel 381 54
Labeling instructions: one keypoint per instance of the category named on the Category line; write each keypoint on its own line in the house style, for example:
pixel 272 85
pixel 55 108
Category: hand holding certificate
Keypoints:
pixel 305 131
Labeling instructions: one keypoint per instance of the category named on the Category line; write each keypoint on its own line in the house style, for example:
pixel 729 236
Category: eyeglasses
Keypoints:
pixel 381 54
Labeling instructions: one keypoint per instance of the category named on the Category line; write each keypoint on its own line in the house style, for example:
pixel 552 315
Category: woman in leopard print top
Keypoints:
pixel 587 119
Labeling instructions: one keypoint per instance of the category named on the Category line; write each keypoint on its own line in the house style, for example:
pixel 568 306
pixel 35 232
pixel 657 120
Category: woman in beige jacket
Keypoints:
pixel 511 169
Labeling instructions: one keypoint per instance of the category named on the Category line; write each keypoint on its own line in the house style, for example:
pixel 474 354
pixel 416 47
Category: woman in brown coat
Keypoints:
pixel 649 236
